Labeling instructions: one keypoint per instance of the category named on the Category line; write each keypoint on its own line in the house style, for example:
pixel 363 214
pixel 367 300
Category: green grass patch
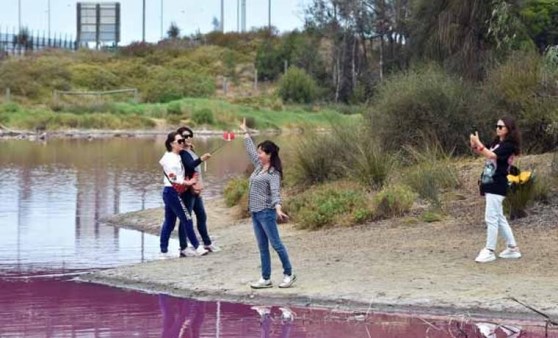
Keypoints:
pixel 214 113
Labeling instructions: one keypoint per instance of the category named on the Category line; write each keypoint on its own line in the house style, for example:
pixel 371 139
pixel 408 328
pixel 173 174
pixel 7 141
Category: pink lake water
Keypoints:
pixel 52 198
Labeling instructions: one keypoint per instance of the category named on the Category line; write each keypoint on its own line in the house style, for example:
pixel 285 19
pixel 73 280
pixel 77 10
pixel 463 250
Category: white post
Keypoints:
pixel 8 95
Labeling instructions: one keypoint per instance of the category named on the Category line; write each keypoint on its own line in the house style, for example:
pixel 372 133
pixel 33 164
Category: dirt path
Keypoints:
pixel 397 265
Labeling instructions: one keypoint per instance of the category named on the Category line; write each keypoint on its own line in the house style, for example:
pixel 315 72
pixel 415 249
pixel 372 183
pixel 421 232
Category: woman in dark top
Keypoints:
pixel 494 186
pixel 192 198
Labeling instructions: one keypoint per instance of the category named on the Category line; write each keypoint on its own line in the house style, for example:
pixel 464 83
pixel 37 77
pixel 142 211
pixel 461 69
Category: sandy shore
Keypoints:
pixel 402 265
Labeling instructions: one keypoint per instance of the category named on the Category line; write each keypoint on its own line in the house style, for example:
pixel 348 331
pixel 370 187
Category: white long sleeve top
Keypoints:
pixel 172 166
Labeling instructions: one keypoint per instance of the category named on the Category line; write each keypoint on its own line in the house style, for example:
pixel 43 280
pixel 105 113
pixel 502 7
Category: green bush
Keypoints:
pixel 297 86
pixel 234 190
pixel 393 201
pixel 174 108
pixel 421 102
pixel 317 159
pixel 430 171
pixel 330 204
pixel 369 163
pixel 203 116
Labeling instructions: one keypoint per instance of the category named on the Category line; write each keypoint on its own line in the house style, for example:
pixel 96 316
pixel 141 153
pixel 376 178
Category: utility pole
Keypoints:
pixel 222 16
pixel 143 23
pixel 19 15
pixel 162 36
pixel 49 19
pixel 243 15
pixel 238 16
pixel 269 15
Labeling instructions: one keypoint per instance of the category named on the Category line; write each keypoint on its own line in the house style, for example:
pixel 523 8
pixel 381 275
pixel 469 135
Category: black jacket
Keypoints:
pixel 189 163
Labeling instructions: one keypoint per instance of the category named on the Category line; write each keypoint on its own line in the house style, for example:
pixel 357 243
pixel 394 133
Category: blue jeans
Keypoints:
pixel 174 208
pixel 265 229
pixel 195 203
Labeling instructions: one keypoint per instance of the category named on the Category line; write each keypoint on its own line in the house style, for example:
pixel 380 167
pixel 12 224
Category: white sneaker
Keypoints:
pixel 200 251
pixel 262 284
pixel 164 255
pixel 512 253
pixel 485 256
pixel 188 252
pixel 262 310
pixel 286 314
pixel 288 281
pixel 212 248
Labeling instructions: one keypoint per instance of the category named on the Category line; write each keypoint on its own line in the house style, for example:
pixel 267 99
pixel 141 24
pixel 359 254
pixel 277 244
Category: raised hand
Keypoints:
pixel 243 126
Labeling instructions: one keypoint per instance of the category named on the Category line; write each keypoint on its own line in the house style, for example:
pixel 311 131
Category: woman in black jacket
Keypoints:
pixel 192 198
pixel 494 186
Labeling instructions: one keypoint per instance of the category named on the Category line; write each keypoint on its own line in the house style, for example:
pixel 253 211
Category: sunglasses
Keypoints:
pixel 500 126
pixel 181 141
pixel 187 136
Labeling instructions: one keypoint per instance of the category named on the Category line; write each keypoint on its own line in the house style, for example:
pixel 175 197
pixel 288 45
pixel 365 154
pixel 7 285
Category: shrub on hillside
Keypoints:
pixel 330 204
pixel 166 85
pixel 297 86
pixel 525 87
pixel 93 77
pixel 420 102
pixel 393 201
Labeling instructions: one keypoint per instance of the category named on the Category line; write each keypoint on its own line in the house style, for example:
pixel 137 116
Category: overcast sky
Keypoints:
pixel 190 15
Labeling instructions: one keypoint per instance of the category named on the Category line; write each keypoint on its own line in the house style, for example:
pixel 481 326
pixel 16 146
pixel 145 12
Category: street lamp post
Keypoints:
pixel 19 15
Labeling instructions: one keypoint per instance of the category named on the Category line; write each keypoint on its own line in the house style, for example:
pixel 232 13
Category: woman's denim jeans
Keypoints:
pixel 265 229
pixel 174 208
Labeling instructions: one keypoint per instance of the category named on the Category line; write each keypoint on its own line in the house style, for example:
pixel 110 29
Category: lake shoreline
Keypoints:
pixel 393 278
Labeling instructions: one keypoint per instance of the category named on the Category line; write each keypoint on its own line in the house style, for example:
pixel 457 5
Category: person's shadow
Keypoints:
pixel 182 318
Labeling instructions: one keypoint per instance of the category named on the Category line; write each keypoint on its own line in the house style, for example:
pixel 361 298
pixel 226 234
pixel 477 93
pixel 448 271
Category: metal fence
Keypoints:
pixel 24 42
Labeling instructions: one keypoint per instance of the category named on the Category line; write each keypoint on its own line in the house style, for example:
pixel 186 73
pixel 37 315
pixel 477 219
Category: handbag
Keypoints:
pixel 179 188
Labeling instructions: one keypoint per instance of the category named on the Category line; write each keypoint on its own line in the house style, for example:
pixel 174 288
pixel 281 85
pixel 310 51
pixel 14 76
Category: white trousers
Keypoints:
pixel 495 220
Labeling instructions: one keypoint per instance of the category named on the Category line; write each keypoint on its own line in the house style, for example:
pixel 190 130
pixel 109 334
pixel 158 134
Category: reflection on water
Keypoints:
pixel 57 308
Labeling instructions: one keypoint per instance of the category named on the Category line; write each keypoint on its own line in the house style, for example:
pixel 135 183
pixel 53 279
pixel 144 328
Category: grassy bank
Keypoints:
pixel 196 112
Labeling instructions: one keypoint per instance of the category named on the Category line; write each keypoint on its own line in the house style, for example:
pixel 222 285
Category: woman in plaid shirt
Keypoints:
pixel 264 204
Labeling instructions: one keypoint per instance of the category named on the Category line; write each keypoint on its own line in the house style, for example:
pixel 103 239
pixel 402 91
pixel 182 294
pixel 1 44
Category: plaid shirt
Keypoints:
pixel 264 191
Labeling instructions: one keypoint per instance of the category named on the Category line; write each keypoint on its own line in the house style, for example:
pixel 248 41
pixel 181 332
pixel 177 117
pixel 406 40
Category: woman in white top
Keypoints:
pixel 175 183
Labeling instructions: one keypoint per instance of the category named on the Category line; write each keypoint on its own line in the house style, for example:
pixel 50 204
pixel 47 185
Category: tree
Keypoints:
pixel 216 24
pixel 541 20
pixel 174 31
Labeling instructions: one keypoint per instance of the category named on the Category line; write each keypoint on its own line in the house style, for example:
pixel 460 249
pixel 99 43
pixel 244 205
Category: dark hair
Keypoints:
pixel 272 149
pixel 170 139
pixel 181 130
pixel 513 136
